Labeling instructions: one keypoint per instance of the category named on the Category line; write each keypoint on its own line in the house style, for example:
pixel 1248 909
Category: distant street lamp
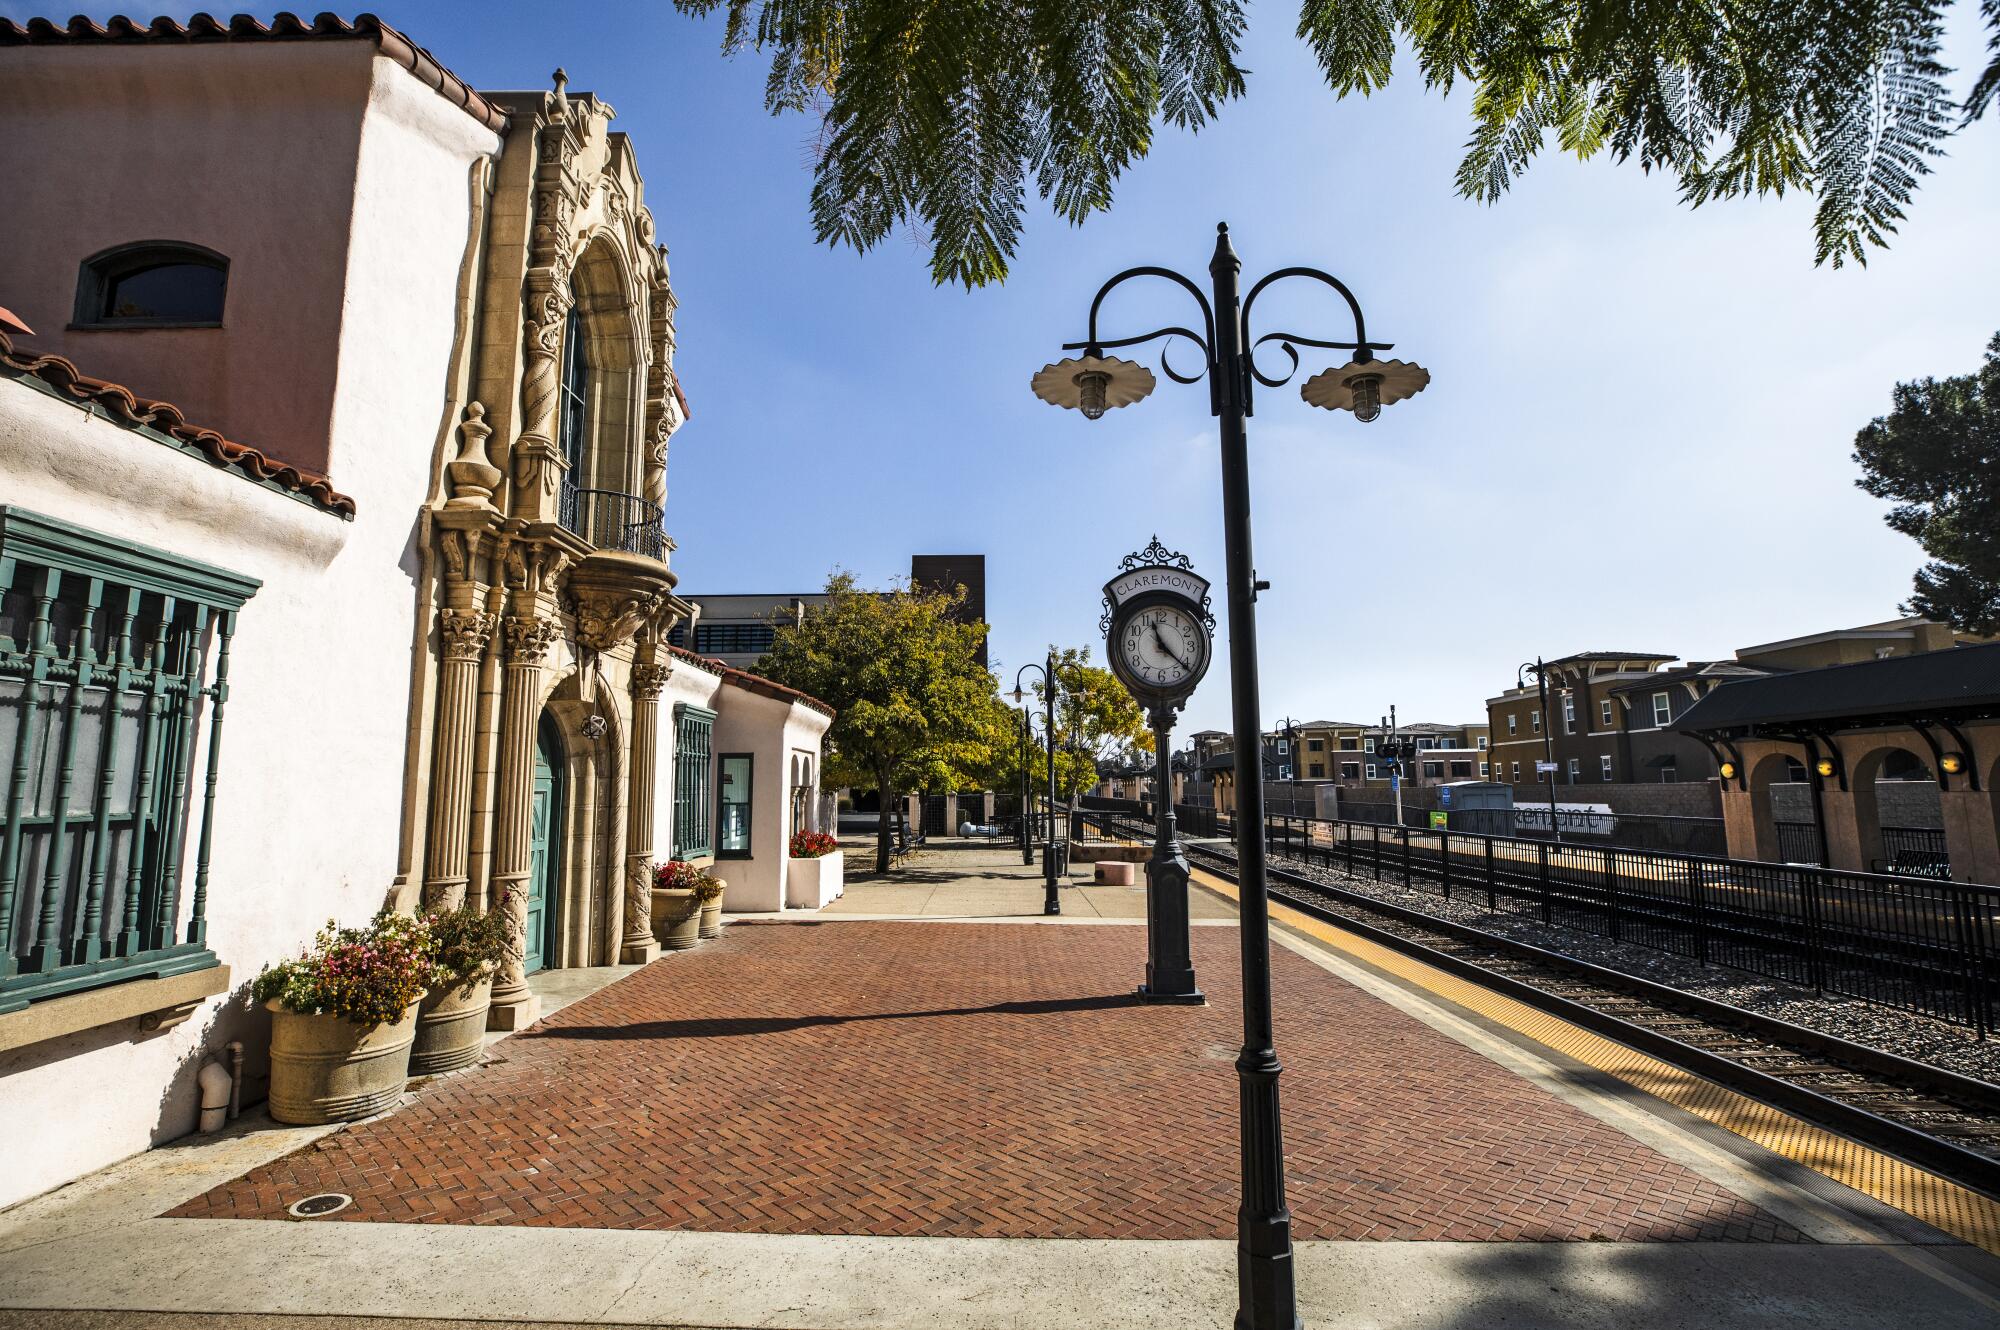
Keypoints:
pixel 1027 841
pixel 1094 383
pixel 1051 902
pixel 1540 672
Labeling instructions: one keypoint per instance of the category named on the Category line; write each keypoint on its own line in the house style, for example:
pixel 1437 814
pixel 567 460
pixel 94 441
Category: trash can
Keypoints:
pixel 1058 853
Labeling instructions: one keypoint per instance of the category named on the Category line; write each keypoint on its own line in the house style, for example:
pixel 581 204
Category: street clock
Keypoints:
pixel 1159 635
pixel 1159 632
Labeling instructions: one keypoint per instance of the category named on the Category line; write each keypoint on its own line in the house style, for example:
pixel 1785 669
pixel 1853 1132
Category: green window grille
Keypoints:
pixel 112 658
pixel 694 789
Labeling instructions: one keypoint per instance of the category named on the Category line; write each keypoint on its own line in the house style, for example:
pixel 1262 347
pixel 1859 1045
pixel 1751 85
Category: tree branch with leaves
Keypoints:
pixel 934 117
pixel 1937 454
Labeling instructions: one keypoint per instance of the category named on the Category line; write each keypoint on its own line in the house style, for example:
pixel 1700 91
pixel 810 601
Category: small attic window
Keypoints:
pixel 153 284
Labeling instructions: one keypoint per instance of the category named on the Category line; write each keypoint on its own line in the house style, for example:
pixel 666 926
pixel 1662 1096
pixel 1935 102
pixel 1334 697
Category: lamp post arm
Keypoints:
pixel 1328 279
pixel 1207 314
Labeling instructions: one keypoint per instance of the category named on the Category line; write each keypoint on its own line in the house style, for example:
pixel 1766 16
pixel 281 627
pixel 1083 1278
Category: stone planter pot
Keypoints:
pixel 451 1027
pixel 676 919
pixel 812 883
pixel 326 1069
pixel 711 916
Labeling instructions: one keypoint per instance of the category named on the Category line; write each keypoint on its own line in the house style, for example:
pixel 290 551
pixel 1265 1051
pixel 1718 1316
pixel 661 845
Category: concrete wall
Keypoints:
pixel 336 345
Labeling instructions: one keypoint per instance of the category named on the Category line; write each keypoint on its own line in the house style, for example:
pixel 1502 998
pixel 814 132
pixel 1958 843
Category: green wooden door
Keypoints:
pixel 545 815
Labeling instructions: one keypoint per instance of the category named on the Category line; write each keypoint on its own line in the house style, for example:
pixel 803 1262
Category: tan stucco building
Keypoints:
pixel 405 516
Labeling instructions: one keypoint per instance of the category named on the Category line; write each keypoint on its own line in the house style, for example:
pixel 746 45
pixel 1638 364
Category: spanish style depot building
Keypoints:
pixel 334 572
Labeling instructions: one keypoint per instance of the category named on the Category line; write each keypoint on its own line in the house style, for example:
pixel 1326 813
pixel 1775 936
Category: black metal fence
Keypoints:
pixel 1914 852
pixel 1920 944
pixel 1202 822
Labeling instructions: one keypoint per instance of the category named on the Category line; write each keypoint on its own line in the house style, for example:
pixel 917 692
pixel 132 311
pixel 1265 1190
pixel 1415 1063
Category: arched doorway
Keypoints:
pixel 545 847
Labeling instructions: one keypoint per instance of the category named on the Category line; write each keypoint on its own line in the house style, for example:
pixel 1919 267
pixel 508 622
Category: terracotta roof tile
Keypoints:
pixel 10 322
pixel 126 406
pixel 282 27
pixel 752 683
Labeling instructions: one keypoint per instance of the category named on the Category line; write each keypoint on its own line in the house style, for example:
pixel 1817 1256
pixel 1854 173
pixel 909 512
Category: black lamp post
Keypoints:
pixel 1267 1295
pixel 1051 902
pixel 1027 841
pixel 1540 672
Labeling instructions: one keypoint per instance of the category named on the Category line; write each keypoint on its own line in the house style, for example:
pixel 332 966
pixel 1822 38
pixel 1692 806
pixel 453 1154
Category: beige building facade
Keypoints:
pixel 405 517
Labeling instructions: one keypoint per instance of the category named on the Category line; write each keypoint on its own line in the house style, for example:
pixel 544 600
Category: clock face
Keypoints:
pixel 1163 647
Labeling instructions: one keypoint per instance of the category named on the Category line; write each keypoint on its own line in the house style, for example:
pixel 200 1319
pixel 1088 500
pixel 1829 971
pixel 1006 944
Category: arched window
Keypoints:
pixel 574 399
pixel 152 284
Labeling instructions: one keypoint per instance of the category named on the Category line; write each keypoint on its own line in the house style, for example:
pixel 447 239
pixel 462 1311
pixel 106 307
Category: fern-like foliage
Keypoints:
pixel 934 114
pixel 1843 98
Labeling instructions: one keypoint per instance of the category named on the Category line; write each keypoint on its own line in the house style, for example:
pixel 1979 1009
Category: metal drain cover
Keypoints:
pixel 326 1203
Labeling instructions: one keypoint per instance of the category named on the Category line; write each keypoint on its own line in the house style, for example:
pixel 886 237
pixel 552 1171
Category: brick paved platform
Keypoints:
pixel 984 1080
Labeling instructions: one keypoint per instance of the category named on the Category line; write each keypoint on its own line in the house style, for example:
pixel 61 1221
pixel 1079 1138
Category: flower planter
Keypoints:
pixel 451 1027
pixel 676 919
pixel 812 883
pixel 711 916
pixel 328 1069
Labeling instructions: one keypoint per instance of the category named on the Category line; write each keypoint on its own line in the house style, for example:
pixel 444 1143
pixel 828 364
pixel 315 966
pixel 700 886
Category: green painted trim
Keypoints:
pixel 22 990
pixel 680 708
pixel 34 538
pixel 181 445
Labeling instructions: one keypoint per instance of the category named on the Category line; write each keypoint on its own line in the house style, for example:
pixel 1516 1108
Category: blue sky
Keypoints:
pixel 1637 436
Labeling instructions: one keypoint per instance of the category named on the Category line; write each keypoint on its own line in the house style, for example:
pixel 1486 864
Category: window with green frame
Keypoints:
pixel 694 789
pixel 113 657
pixel 732 840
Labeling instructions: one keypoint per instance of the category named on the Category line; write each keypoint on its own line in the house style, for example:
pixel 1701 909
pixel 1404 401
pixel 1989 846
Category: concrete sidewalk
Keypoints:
pixel 1405 1114
pixel 981 880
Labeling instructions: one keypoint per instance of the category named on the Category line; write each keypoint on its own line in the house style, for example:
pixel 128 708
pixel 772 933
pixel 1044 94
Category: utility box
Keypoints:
pixel 1478 807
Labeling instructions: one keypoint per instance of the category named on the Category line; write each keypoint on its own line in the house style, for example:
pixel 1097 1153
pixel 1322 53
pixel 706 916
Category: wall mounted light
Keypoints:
pixel 1953 763
pixel 1729 771
pixel 1824 766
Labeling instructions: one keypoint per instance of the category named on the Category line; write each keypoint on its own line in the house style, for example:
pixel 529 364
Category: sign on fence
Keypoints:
pixel 1574 819
pixel 1439 819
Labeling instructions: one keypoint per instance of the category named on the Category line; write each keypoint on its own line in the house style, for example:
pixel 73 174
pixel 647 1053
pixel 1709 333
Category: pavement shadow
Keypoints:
pixel 723 1027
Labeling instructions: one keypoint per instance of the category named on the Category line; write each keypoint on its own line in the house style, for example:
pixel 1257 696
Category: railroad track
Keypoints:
pixel 1930 1117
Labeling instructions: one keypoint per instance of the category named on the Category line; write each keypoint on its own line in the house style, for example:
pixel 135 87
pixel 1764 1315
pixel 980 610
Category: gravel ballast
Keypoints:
pixel 1905 1033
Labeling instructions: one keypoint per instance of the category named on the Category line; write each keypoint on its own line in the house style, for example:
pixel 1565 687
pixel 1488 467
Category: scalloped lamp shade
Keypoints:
pixel 1074 383
pixel 1334 389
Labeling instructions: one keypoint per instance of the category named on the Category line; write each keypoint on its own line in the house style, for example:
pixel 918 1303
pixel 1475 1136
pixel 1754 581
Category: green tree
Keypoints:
pixel 1096 721
pixel 933 116
pixel 1937 454
pixel 901 670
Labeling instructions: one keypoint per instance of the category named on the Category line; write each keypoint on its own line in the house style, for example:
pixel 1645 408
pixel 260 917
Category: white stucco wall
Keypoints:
pixel 772 730
pixel 309 806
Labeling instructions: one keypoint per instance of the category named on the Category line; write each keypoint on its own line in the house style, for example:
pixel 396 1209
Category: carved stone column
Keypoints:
pixel 528 640
pixel 639 945
pixel 463 636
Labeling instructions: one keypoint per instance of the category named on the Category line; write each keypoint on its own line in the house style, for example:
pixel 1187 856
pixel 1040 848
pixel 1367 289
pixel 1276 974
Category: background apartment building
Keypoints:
pixel 738 629
pixel 1613 714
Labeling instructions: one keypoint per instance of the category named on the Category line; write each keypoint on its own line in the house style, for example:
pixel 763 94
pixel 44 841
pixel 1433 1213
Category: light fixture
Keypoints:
pixel 1093 383
pixel 1365 385
pixel 1824 766
pixel 1020 696
pixel 1729 771
pixel 1953 763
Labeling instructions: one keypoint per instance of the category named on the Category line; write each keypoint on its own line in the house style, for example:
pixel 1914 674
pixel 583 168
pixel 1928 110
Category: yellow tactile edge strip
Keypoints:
pixel 1943 1205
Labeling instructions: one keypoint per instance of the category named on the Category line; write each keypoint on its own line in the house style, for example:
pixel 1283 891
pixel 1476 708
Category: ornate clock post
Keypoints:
pixel 1159 638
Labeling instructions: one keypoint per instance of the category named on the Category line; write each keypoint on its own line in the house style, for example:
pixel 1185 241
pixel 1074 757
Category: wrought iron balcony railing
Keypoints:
pixel 611 520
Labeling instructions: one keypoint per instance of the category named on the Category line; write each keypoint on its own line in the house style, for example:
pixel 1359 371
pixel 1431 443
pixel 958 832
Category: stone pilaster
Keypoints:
pixel 639 945
pixel 463 636
pixel 528 640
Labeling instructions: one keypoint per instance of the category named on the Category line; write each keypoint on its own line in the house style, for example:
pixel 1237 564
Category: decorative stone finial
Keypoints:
pixel 562 98
pixel 473 476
